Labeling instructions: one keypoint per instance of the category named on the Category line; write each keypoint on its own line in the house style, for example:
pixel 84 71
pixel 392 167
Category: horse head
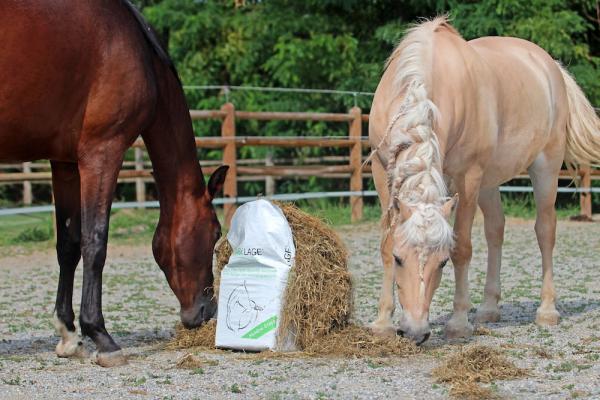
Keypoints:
pixel 422 241
pixel 184 251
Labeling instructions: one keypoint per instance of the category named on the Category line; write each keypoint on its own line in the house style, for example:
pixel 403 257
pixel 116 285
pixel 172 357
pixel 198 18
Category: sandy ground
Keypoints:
pixel 141 311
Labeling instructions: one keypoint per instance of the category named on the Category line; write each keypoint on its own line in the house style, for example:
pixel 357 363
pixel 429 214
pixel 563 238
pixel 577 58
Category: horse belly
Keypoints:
pixel 506 163
pixel 526 108
pixel 19 145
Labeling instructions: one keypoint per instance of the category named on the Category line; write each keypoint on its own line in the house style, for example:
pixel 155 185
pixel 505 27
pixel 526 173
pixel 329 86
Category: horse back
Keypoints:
pixel 493 94
pixel 71 72
pixel 526 72
pixel 531 103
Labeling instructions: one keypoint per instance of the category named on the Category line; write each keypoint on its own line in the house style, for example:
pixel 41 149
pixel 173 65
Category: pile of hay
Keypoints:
pixel 318 296
pixel 473 365
pixel 318 300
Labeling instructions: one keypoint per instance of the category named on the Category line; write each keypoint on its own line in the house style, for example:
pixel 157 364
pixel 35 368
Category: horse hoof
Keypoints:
pixel 547 317
pixel 487 315
pixel 72 347
pixel 456 331
pixel 112 359
pixel 383 330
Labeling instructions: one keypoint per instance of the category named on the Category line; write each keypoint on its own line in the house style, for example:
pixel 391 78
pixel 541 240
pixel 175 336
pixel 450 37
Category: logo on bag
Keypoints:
pixel 249 251
pixel 241 309
pixel 287 255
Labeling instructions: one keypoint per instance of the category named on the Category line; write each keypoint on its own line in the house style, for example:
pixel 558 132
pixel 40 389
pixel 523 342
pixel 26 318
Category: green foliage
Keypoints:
pixel 339 44
pixel 563 28
pixel 343 44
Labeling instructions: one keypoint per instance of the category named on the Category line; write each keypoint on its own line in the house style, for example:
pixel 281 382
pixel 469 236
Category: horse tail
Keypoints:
pixel 583 126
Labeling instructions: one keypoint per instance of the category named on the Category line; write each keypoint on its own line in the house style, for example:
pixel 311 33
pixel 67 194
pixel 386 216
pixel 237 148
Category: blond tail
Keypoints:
pixel 583 126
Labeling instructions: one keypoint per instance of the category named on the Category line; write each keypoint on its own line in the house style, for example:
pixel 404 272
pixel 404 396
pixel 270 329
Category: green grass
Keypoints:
pixel 26 230
pixel 337 215
pixel 134 226
pixel 524 207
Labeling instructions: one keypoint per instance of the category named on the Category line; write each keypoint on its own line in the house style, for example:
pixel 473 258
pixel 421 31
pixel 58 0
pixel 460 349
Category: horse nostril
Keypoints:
pixel 400 332
pixel 207 309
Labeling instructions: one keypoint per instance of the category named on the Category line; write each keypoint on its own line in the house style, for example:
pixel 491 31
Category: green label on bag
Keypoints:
pixel 261 329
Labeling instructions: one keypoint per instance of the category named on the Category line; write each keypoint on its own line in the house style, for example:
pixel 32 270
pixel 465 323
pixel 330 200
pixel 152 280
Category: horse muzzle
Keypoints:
pixel 416 330
pixel 203 309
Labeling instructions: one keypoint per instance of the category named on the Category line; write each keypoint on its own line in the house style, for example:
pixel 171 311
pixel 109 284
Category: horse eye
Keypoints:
pixel 443 263
pixel 398 261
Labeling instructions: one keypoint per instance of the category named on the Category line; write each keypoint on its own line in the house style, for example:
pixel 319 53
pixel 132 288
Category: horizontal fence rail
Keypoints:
pixel 348 166
pixel 279 197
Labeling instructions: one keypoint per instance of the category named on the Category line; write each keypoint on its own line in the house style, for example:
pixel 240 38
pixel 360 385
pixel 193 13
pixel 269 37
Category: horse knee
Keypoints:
pixel 68 253
pixel 94 253
pixel 545 233
pixel 494 232
pixel 461 255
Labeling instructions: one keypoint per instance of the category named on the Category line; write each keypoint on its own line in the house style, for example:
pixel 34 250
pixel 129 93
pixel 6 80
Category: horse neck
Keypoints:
pixel 171 146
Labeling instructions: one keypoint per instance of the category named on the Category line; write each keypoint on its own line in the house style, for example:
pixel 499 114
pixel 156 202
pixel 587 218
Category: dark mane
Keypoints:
pixel 151 37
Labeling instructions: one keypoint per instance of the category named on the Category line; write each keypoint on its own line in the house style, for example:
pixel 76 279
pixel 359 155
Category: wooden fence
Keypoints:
pixel 346 166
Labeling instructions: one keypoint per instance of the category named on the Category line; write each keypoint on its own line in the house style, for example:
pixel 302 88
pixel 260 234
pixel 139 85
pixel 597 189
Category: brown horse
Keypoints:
pixel 79 81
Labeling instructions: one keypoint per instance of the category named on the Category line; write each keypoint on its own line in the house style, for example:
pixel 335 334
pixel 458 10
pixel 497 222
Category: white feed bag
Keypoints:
pixel 254 281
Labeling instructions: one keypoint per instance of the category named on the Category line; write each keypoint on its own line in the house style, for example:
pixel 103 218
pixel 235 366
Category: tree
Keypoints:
pixel 342 44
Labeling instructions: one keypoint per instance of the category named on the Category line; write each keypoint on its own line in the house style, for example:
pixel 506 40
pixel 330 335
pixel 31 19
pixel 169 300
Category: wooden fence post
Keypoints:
pixel 27 192
pixel 229 158
pixel 585 198
pixel 356 183
pixel 140 186
pixel 269 180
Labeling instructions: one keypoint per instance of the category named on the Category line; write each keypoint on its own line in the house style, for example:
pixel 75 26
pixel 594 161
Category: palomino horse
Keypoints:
pixel 474 114
pixel 80 81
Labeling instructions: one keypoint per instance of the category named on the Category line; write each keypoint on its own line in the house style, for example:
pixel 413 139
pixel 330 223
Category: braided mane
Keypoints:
pixel 414 172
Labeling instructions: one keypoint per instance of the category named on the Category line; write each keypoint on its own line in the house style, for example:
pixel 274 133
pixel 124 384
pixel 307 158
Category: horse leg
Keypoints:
pixel 65 186
pixel 491 206
pixel 383 325
pixel 98 181
pixel 468 190
pixel 544 178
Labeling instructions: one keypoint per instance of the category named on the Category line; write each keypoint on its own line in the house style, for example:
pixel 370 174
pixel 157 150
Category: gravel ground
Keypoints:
pixel 141 311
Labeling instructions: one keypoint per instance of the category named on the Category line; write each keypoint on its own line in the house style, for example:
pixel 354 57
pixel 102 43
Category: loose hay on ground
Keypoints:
pixel 482 331
pixel 358 341
pixel 203 336
pixel 473 365
pixel 469 390
pixel 189 361
pixel 350 341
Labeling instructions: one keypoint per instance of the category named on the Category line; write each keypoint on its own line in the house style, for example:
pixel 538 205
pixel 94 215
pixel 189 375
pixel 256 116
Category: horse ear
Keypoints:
pixel 449 206
pixel 216 181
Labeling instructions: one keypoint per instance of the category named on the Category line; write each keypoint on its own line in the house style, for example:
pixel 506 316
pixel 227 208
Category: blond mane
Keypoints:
pixel 415 174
